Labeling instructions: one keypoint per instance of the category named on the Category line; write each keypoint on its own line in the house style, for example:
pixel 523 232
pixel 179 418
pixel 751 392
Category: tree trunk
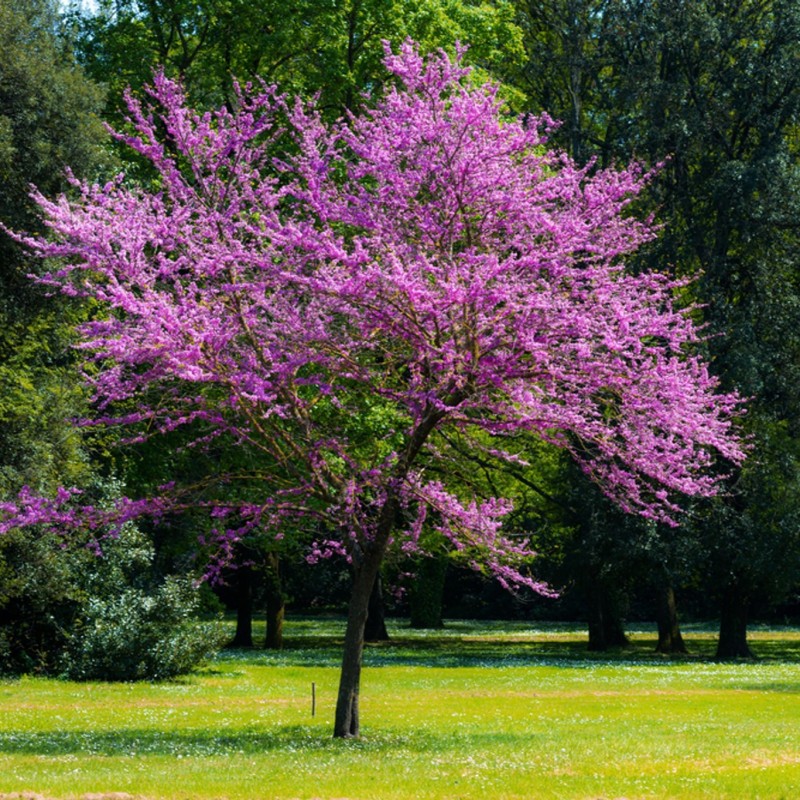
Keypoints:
pixel 244 608
pixel 732 641
pixel 605 620
pixel 670 640
pixel 275 603
pixel 366 564
pixel 347 722
pixel 427 592
pixel 375 628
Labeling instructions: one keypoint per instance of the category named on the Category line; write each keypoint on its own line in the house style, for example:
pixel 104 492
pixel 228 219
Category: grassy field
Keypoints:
pixel 478 711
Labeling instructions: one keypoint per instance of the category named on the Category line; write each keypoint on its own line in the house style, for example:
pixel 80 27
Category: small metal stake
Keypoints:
pixel 313 699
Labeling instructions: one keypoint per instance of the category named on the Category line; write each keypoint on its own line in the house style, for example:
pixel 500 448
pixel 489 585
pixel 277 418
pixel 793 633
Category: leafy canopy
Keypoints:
pixel 332 298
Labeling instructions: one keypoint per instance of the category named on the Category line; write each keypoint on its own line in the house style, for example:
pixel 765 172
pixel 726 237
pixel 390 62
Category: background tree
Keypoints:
pixel 713 89
pixel 719 94
pixel 567 72
pixel 570 73
pixel 48 120
pixel 334 49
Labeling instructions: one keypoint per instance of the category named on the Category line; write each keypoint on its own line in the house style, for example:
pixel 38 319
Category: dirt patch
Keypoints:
pixel 91 796
pixel 95 796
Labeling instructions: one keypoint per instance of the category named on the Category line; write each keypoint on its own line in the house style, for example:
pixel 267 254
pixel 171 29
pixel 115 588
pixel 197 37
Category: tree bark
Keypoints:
pixel 670 640
pixel 605 621
pixel 375 628
pixel 427 591
pixel 366 562
pixel 275 603
pixel 346 724
pixel 732 642
pixel 244 608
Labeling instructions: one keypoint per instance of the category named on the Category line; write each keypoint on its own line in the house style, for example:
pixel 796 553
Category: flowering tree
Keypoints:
pixel 340 302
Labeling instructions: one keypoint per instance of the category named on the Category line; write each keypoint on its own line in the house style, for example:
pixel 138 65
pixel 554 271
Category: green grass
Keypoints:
pixel 480 711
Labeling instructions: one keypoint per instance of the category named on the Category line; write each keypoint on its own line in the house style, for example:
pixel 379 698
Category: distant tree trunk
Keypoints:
pixel 375 628
pixel 275 602
pixel 427 592
pixel 732 641
pixel 670 640
pixel 605 619
pixel 244 608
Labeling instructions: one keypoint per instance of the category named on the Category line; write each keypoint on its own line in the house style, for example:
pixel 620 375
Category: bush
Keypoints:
pixel 40 600
pixel 142 636
pixel 64 610
pixel 134 626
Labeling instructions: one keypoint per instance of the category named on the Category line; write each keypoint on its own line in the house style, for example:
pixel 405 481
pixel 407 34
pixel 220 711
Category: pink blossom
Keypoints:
pixel 426 267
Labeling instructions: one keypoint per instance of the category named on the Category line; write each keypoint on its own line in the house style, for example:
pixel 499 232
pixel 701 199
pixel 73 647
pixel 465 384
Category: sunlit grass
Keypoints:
pixel 505 710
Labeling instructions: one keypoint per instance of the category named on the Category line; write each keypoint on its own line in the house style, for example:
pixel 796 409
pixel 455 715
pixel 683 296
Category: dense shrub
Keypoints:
pixel 135 626
pixel 141 635
pixel 97 617
pixel 40 600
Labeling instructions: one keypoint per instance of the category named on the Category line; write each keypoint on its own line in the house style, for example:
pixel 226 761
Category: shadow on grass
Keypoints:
pixel 317 641
pixel 139 742
pixel 449 651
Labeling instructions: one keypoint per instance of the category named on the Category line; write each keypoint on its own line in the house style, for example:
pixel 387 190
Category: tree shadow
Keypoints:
pixel 150 741
pixel 200 743
pixel 464 646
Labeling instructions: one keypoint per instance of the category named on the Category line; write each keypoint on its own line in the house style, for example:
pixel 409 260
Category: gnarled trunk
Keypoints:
pixel 732 642
pixel 670 640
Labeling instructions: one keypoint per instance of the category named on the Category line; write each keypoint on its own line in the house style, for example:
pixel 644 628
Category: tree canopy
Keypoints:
pixel 331 298
pixel 49 118
pixel 330 48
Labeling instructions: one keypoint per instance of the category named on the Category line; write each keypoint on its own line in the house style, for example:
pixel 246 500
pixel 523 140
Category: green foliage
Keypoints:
pixel 40 600
pixel 48 110
pixel 334 48
pixel 141 636
pixel 48 121
pixel 135 626
pixel 566 72
pixel 39 396
pixel 752 536
pixel 106 617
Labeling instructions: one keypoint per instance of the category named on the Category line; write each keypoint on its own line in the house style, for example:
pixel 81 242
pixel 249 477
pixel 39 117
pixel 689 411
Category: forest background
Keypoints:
pixel 708 90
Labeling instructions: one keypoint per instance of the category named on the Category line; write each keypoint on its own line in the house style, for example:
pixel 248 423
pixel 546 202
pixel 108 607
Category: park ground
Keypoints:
pixel 474 711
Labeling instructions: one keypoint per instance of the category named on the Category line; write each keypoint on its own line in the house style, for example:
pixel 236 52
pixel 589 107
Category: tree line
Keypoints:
pixel 704 93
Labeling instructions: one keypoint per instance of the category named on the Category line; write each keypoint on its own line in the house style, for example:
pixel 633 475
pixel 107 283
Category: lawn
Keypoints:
pixel 478 710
